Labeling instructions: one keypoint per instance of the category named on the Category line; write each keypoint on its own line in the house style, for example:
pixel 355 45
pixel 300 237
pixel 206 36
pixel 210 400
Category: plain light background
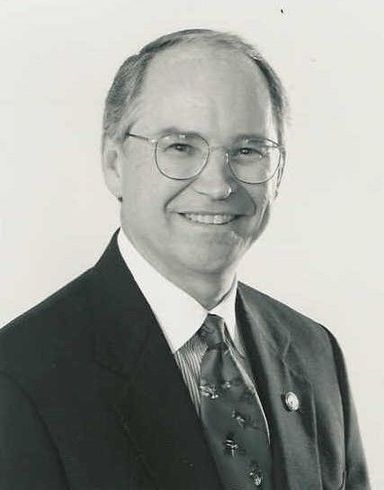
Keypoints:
pixel 322 253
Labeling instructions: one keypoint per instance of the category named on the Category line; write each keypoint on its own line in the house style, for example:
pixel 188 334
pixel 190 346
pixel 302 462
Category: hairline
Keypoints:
pixel 139 65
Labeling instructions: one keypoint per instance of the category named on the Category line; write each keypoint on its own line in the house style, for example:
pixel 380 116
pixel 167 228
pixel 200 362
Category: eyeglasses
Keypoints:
pixel 183 156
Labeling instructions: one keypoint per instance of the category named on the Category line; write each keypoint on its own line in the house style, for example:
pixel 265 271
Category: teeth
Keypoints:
pixel 210 219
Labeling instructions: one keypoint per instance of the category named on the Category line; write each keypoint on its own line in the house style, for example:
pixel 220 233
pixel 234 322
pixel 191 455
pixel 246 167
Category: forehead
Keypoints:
pixel 204 88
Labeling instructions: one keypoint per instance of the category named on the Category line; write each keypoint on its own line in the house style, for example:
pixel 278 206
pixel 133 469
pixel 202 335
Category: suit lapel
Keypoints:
pixel 293 433
pixel 148 394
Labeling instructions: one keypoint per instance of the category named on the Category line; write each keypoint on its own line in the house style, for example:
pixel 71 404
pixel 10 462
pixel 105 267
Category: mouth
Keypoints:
pixel 210 219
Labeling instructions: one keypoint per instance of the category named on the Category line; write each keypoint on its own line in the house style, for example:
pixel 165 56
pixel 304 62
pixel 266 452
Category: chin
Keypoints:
pixel 215 261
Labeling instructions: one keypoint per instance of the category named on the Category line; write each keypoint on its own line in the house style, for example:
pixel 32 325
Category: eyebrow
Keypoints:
pixel 250 136
pixel 178 130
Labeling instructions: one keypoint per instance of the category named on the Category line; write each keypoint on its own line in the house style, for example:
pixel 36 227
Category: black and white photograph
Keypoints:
pixel 191 245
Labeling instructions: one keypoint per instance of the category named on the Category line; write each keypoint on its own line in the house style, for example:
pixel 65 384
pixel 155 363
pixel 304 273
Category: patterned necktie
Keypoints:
pixel 231 415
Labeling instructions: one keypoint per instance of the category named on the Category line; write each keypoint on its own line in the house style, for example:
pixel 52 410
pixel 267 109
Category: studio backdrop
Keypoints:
pixel 322 253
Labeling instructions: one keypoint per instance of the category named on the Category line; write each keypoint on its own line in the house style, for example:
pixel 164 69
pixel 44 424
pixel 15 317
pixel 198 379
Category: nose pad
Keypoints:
pixel 216 179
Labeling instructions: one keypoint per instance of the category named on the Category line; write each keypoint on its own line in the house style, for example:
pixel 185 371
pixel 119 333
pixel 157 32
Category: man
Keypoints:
pixel 156 368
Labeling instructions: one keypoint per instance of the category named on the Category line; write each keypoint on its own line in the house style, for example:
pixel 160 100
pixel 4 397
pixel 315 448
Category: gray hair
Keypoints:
pixel 129 79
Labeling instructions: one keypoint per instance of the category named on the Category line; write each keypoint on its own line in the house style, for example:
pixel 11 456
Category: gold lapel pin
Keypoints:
pixel 291 401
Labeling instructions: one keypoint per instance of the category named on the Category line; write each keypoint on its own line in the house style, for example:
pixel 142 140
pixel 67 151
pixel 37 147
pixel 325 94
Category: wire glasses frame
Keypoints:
pixel 270 146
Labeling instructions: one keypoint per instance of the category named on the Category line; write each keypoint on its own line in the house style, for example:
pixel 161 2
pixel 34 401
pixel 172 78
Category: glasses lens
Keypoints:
pixel 254 161
pixel 181 156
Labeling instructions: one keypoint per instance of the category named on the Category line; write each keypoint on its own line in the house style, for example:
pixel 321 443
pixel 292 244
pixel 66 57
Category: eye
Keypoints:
pixel 180 148
pixel 250 151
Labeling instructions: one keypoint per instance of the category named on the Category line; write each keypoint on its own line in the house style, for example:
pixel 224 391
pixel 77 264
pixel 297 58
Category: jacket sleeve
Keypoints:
pixel 356 477
pixel 28 457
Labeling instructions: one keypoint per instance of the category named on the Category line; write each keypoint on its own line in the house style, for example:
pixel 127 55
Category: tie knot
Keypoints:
pixel 212 331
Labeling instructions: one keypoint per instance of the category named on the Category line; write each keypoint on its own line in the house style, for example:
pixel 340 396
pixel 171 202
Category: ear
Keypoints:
pixel 112 167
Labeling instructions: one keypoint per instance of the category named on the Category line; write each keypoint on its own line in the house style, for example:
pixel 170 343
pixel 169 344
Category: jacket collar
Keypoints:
pixel 262 314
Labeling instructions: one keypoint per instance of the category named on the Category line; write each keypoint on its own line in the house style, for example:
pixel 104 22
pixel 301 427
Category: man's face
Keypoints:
pixel 220 95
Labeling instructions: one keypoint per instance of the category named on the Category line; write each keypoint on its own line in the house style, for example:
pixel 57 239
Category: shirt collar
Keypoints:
pixel 179 315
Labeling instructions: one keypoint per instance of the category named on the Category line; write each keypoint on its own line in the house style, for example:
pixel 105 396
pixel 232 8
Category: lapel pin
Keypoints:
pixel 291 401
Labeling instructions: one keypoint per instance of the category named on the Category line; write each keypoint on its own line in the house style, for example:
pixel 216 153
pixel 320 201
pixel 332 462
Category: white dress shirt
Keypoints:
pixel 180 317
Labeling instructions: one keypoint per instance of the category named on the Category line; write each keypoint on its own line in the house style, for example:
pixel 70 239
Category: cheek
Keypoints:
pixel 262 197
pixel 146 193
pixel 137 175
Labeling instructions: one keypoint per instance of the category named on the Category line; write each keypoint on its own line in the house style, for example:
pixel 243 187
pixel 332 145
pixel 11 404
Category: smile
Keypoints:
pixel 210 219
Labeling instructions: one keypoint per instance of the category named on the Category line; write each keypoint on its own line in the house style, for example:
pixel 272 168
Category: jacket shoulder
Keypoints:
pixel 32 340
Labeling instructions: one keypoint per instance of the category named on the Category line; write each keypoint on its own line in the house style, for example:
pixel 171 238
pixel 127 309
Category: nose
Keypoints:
pixel 215 180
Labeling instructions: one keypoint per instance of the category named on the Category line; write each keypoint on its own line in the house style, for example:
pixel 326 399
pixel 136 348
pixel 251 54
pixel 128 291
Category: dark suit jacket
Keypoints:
pixel 91 397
